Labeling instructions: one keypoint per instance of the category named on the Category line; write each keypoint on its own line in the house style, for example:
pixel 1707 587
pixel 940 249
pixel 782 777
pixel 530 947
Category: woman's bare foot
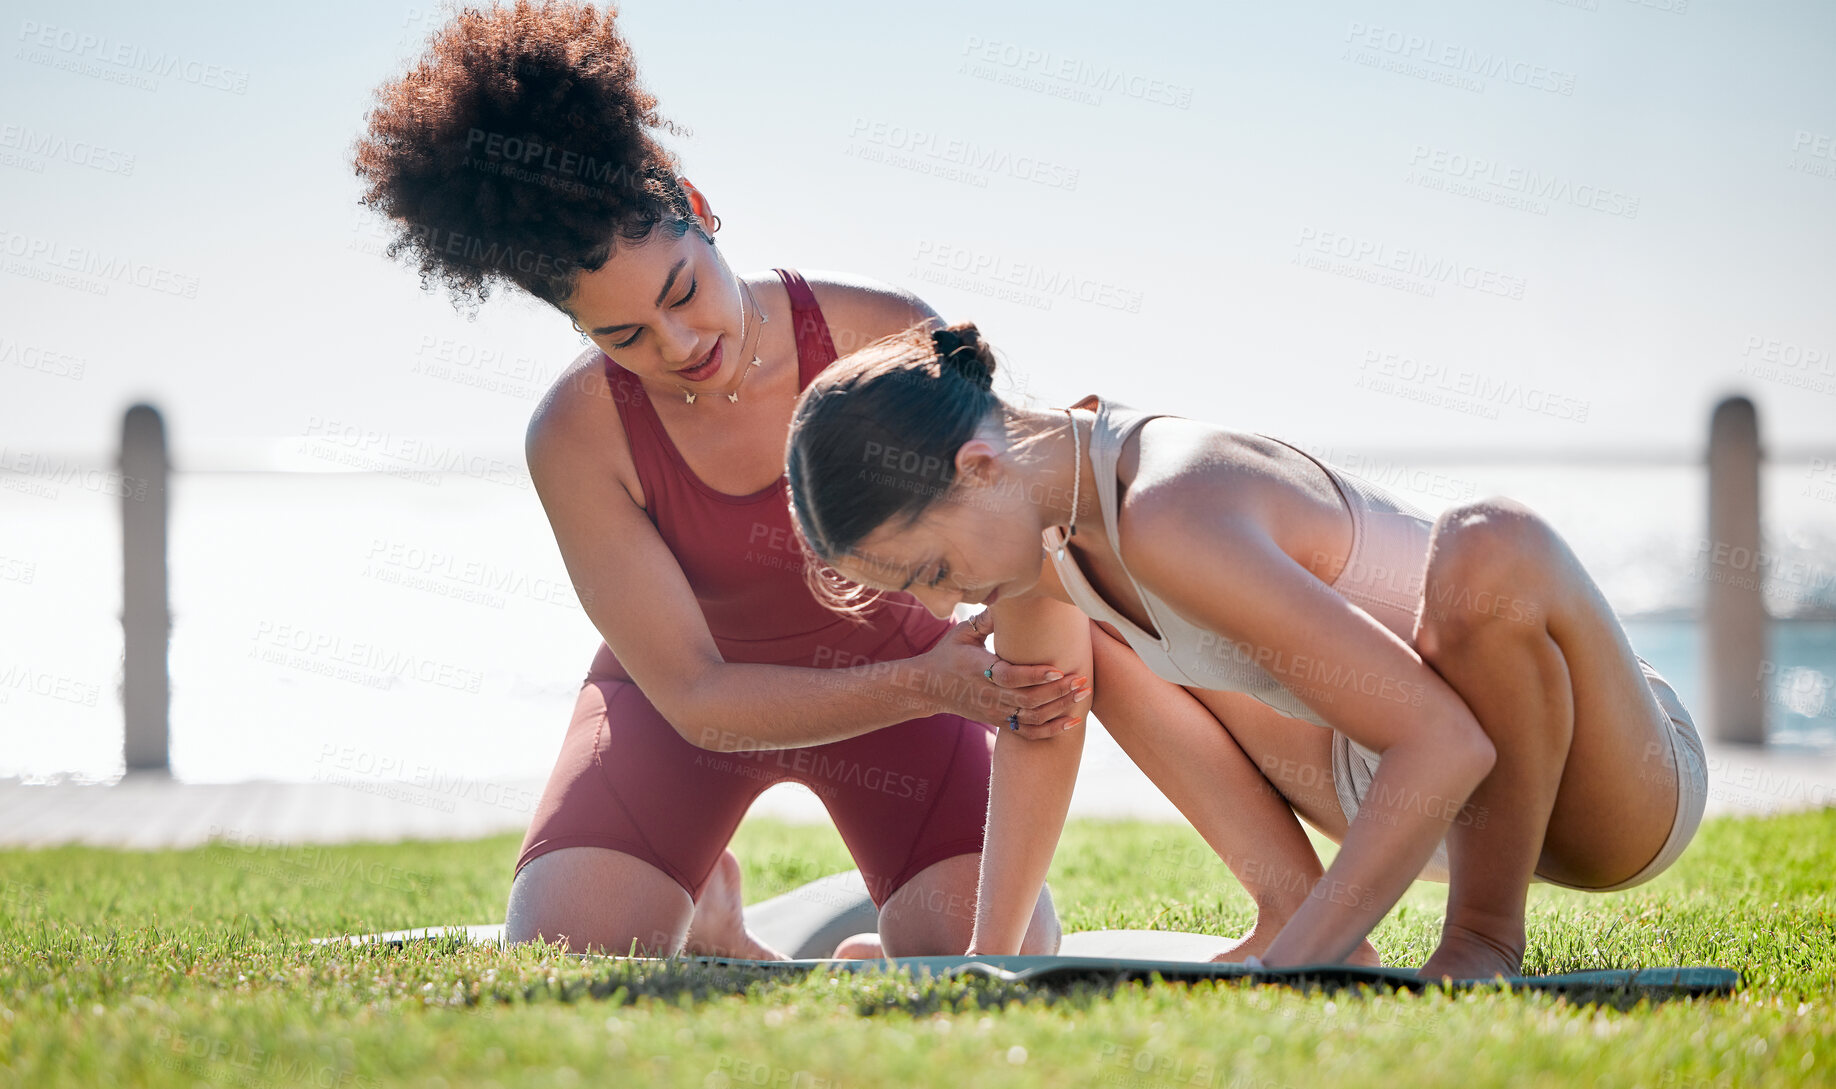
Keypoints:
pixel 1365 956
pixel 1468 954
pixel 1257 941
pixel 1253 944
pixel 860 947
pixel 718 928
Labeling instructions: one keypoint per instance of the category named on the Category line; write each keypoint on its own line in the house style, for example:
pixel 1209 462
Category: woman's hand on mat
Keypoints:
pixel 1034 701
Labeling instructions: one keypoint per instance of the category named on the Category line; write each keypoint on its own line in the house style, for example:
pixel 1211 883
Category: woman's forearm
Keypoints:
pixel 1417 791
pixel 1029 793
pixel 737 706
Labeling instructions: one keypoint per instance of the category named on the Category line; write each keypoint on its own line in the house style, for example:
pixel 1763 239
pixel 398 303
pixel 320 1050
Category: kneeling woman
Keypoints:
pixel 1460 685
pixel 658 458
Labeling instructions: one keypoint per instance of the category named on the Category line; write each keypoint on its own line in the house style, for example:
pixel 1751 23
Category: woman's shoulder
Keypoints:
pixel 860 309
pixel 577 425
pixel 1170 466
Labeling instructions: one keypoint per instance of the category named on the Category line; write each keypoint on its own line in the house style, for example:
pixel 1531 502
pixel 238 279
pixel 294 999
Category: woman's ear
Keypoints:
pixel 698 201
pixel 977 463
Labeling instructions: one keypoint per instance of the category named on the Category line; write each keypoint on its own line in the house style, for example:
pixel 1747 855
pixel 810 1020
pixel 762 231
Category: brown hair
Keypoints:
pixel 874 438
pixel 517 149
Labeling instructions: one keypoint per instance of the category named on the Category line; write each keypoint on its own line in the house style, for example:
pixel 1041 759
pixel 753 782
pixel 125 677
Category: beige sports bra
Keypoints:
pixel 1382 575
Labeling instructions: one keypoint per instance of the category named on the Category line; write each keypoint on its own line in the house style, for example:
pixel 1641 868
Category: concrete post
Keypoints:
pixel 1734 612
pixel 145 619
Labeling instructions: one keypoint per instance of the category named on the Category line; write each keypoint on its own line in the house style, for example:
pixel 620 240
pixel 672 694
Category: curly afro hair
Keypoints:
pixel 518 148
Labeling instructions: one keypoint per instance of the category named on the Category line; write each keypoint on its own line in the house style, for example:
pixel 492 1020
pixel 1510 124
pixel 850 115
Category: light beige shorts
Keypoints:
pixel 1354 766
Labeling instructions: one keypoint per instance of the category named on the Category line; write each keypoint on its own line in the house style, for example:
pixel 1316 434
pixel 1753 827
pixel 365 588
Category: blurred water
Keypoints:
pixel 330 625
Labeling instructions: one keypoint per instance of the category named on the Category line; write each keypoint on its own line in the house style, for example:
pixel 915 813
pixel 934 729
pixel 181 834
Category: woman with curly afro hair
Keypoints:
pixel 519 149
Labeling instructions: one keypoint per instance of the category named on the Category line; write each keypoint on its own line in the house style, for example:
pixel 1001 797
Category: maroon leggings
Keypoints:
pixel 904 797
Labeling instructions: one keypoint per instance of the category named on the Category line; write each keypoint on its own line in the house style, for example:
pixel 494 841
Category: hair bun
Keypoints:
pixel 960 348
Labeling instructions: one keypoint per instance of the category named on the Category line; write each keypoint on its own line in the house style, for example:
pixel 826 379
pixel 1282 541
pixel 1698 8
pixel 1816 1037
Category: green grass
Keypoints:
pixel 189 968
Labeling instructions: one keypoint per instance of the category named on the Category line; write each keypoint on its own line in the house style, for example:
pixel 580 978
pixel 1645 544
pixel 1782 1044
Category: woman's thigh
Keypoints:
pixel 626 782
pixel 1294 756
pixel 1618 798
pixel 1499 579
pixel 904 798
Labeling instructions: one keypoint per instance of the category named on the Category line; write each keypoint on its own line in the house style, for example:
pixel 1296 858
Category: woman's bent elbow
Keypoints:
pixel 707 736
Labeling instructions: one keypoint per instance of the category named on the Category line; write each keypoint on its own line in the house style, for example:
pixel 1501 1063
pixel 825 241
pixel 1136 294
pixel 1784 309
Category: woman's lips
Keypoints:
pixel 706 368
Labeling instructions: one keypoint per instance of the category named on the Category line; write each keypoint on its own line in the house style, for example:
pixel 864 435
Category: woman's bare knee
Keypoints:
pixel 596 899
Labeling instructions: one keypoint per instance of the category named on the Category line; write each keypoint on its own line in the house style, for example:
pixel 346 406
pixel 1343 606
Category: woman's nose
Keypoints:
pixel 940 603
pixel 678 344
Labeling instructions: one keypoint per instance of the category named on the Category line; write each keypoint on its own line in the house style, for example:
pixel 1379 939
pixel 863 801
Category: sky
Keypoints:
pixel 1523 226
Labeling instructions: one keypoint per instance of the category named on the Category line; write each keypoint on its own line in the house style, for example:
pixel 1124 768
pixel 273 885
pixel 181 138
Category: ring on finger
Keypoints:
pixel 1013 721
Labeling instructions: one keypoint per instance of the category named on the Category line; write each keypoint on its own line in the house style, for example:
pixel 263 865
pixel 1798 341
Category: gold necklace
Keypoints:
pixel 733 394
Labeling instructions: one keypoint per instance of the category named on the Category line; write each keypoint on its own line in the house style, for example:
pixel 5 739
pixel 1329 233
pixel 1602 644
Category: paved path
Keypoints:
pixel 143 811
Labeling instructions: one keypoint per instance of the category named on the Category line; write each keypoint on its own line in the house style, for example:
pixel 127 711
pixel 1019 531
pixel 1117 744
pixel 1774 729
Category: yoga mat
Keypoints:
pixel 810 920
pixel 807 922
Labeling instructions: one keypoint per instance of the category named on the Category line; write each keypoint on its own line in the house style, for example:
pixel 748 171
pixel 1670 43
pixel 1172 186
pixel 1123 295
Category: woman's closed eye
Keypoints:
pixel 694 286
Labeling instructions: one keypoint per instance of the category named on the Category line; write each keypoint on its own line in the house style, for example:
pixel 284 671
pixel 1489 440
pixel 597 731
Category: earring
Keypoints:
pixel 584 339
pixel 716 220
